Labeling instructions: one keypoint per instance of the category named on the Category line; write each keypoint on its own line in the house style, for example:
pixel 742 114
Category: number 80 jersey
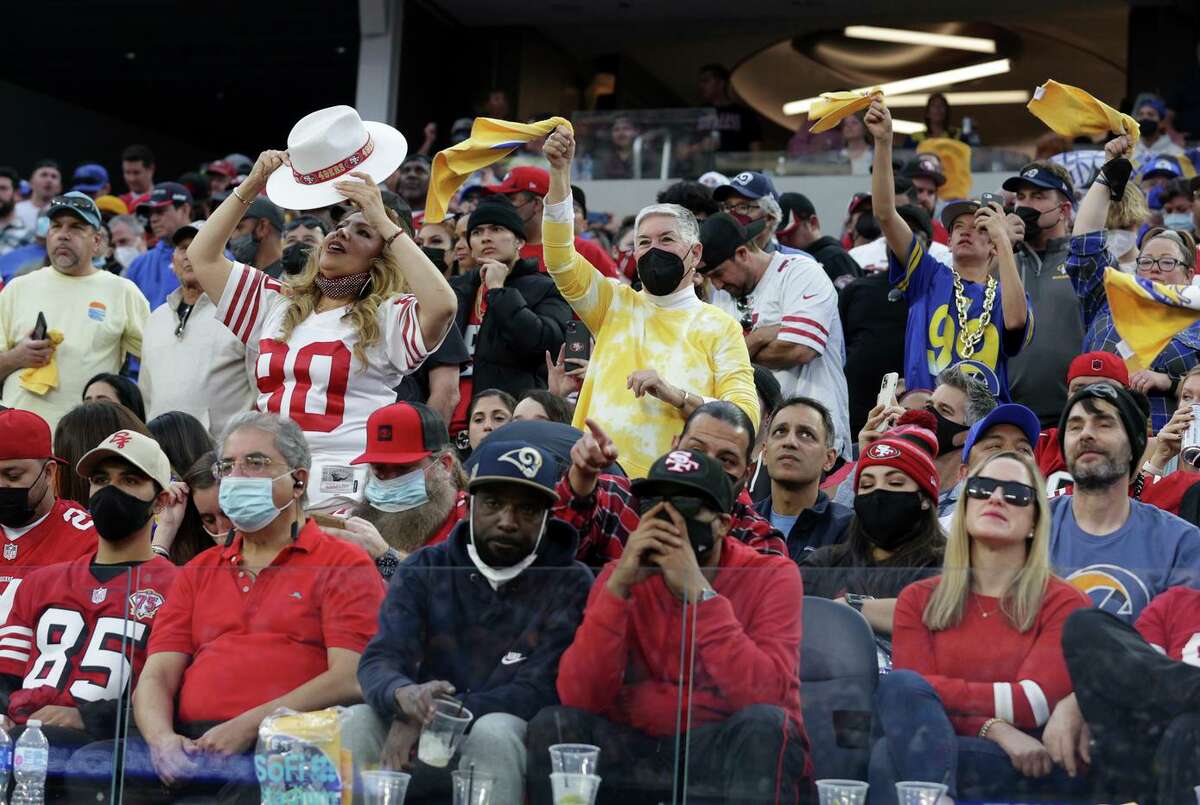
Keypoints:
pixel 82 629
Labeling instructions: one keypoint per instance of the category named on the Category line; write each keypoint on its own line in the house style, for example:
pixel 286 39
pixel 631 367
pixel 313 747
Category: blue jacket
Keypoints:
pixel 151 272
pixel 499 648
pixel 823 524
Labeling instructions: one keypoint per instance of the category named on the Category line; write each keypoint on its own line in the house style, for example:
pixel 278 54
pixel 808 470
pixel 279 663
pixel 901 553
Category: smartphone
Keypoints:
pixel 578 342
pixel 887 389
pixel 39 329
pixel 988 199
pixel 328 520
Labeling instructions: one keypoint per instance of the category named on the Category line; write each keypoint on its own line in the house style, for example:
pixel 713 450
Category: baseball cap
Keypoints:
pixel 78 204
pixel 749 184
pixel 712 179
pixel 241 163
pixel 89 178
pixel 140 451
pixel 186 231
pixel 165 194
pixel 111 205
pixel 857 202
pixel 965 206
pixel 1038 177
pixel 1162 166
pixel 402 433
pixel 221 167
pixel 24 435
pixel 924 166
pixel 196 184
pixel 917 217
pixel 721 235
pixel 524 178
pixel 1099 364
pixel 689 469
pixel 263 207
pixel 1005 414
pixel 514 463
pixel 795 206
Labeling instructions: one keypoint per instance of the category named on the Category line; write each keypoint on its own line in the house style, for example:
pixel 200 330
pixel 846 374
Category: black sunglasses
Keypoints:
pixel 72 203
pixel 687 507
pixel 1014 492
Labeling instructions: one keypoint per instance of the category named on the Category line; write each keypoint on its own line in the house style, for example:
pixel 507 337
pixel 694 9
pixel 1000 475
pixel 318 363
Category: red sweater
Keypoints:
pixel 624 663
pixel 983 667
pixel 1172 624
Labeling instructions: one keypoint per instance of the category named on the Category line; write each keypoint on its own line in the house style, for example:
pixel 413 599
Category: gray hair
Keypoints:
pixel 132 221
pixel 980 401
pixel 289 439
pixel 689 229
pixel 770 205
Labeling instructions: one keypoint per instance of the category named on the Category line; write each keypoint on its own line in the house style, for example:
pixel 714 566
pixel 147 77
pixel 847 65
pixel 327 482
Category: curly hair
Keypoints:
pixel 387 280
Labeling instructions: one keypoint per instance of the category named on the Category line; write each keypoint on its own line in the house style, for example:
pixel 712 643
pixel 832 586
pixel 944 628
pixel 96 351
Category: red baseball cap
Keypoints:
pixel 1099 364
pixel 403 433
pixel 24 435
pixel 525 178
pixel 222 167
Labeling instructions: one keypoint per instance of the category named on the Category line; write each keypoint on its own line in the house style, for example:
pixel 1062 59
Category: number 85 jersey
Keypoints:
pixel 82 628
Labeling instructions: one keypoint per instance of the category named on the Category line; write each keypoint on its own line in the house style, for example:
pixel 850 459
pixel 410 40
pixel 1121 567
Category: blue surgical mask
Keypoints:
pixel 397 494
pixel 1179 221
pixel 249 502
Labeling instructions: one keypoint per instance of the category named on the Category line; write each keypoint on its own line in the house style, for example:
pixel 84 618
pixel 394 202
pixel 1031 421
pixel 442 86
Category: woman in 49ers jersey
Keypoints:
pixel 366 310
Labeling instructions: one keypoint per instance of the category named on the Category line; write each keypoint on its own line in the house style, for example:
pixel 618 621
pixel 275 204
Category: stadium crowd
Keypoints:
pixel 348 425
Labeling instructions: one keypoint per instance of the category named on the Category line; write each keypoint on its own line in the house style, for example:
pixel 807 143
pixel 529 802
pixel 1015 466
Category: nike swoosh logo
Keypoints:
pixel 808 296
pixel 512 659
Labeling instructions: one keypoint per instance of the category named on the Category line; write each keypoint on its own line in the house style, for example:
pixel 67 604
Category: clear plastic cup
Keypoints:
pixel 440 739
pixel 842 792
pixel 473 788
pixel 919 793
pixel 574 789
pixel 384 787
pixel 574 758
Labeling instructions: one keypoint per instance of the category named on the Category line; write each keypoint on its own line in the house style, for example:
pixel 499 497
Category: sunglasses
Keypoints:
pixel 72 203
pixel 687 507
pixel 1014 492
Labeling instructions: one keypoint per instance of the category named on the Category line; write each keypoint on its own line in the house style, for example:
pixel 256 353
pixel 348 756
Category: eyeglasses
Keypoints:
pixel 744 208
pixel 251 465
pixel 72 203
pixel 1014 492
pixel 1163 263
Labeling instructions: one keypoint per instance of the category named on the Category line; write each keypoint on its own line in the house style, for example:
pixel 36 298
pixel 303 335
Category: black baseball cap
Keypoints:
pixel 688 470
pixel 166 194
pixel 721 235
pixel 917 218
pixel 966 206
pixel 396 203
pixel 924 166
pixel 1037 176
pixel 795 205
pixel 263 207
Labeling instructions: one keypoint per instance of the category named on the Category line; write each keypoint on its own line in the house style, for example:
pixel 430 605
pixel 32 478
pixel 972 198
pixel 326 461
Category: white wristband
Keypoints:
pixel 1153 470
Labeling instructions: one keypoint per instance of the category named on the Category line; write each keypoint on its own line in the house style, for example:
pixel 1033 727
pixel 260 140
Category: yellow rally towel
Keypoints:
pixel 834 107
pixel 1072 112
pixel 491 140
pixel 1148 315
pixel 956 165
pixel 43 378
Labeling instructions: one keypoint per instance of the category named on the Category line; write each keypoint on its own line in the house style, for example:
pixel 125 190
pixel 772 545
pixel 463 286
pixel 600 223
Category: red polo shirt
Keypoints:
pixel 251 639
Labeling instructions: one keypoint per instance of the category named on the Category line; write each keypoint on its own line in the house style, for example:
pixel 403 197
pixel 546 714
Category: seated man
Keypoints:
pixel 621 681
pixel 465 617
pixel 1008 428
pixel 81 604
pixel 277 617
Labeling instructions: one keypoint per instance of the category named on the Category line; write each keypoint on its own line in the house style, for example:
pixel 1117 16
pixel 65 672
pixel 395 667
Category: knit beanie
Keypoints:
pixel 1133 409
pixel 497 213
pixel 907 456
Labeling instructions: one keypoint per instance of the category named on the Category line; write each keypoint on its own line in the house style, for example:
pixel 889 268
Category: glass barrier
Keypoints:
pixel 551 689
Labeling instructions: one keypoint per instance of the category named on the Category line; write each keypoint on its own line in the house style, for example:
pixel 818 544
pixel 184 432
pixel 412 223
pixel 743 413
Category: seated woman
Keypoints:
pixel 543 405
pixel 489 409
pixel 894 538
pixel 978 651
pixel 1166 256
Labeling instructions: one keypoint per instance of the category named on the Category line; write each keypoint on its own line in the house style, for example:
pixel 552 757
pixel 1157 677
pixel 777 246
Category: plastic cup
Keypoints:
pixel 919 793
pixel 384 787
pixel 472 788
pixel 440 739
pixel 574 789
pixel 842 792
pixel 574 758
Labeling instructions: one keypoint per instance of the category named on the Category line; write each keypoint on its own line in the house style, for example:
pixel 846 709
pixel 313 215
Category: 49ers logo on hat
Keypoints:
pixel 120 439
pixel 525 459
pixel 144 603
pixel 882 451
pixel 680 461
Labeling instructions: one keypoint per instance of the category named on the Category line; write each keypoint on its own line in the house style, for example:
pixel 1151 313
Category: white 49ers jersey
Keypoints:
pixel 316 380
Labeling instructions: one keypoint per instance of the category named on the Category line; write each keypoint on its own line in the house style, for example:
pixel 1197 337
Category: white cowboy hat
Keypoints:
pixel 325 147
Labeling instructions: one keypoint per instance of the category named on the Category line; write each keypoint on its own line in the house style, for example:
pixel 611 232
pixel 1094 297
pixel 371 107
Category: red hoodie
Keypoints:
pixel 625 661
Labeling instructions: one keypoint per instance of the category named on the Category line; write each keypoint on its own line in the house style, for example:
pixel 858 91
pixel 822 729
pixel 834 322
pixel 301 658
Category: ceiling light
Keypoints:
pixel 907 126
pixel 962 99
pixel 972 43
pixel 918 83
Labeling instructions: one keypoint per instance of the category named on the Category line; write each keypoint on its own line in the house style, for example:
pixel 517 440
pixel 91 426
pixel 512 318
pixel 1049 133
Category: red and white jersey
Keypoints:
pixel 63 535
pixel 80 629
pixel 316 380
pixel 1172 624
pixel 796 295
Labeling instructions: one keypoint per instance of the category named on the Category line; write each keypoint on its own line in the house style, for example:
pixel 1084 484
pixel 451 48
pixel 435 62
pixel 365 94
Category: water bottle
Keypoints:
pixel 30 760
pixel 6 749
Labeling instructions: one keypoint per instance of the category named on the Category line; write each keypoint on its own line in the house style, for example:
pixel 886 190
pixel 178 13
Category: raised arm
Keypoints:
pixel 883 184
pixel 1093 210
pixel 1012 291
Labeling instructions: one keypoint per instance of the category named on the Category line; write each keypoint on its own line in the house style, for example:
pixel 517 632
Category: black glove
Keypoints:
pixel 1115 175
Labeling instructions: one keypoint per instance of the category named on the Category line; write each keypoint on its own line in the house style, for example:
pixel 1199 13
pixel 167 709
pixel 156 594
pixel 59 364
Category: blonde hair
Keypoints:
pixel 1130 211
pixel 1022 601
pixel 387 281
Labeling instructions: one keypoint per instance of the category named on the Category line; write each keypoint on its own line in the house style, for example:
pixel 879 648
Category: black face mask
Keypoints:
pixel 1147 127
pixel 244 249
pixel 118 514
pixel 660 271
pixel 888 518
pixel 436 256
pixel 294 258
pixel 700 535
pixel 16 510
pixel 946 431
pixel 1030 217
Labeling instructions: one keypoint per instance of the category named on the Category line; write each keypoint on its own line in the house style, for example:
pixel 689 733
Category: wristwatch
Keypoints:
pixel 387 563
pixel 856 601
pixel 707 595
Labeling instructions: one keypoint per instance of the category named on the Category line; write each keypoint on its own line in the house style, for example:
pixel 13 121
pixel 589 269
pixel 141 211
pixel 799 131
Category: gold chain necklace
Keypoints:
pixel 969 339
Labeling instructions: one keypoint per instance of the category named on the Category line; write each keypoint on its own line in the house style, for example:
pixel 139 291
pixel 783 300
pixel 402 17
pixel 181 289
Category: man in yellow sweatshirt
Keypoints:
pixel 660 352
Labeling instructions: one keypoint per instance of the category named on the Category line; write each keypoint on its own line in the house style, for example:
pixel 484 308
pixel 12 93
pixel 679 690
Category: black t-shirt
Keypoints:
pixel 874 331
pixel 835 570
pixel 737 125
pixel 453 351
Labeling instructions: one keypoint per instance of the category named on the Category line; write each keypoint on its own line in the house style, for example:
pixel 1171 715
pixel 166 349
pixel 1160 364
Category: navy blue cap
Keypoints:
pixel 165 194
pixel 78 204
pixel 1162 166
pixel 514 463
pixel 1038 177
pixel 1006 414
pixel 749 184
pixel 89 178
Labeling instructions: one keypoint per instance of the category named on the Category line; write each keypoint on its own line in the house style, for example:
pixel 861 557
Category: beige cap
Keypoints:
pixel 140 451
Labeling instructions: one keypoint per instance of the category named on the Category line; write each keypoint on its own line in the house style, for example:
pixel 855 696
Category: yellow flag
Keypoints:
pixel 1072 112
pixel 834 107
pixel 955 156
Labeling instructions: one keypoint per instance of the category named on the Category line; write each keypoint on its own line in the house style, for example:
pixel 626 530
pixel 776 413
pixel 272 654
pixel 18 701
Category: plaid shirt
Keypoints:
pixel 1087 258
pixel 607 517
pixel 14 235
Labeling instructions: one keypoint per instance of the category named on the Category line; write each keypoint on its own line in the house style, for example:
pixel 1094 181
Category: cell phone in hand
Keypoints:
pixel 39 329
pixel 577 343
pixel 887 389
pixel 988 199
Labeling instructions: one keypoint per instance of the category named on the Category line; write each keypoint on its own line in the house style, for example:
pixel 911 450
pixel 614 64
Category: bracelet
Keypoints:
pixel 399 231
pixel 238 196
pixel 987 726
pixel 160 550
